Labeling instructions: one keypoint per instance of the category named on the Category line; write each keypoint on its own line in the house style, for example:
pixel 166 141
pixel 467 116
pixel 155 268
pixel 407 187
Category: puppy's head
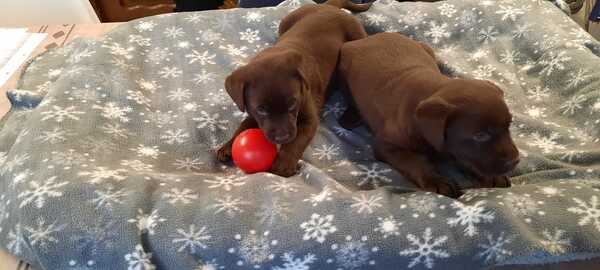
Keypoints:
pixel 271 89
pixel 469 120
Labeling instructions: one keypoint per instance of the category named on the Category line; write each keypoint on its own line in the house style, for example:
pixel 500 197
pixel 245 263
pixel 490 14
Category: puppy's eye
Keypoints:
pixel 262 111
pixel 482 137
pixel 293 106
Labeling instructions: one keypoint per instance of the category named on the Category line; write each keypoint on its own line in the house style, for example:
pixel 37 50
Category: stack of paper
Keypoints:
pixel 15 47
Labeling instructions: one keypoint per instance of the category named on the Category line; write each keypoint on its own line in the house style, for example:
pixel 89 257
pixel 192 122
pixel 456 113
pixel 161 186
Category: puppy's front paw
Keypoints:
pixel 440 185
pixel 284 167
pixel 224 153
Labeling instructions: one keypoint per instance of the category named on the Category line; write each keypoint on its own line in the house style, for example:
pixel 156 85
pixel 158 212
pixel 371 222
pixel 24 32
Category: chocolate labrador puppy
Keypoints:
pixel 417 114
pixel 283 87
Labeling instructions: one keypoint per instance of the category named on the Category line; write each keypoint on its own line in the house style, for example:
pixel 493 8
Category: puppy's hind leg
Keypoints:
pixel 224 153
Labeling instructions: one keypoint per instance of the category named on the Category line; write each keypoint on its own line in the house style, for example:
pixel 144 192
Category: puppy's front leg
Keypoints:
pixel 417 168
pixel 224 153
pixel 286 162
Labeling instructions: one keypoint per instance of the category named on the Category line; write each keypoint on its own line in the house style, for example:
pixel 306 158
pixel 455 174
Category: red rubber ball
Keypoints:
pixel 252 152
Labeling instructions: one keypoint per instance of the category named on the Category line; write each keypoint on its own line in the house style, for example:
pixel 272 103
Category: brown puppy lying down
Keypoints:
pixel 283 87
pixel 417 114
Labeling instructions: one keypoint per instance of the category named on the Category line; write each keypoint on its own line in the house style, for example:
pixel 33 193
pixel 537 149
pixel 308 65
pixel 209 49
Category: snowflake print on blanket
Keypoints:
pixel 372 176
pixel 388 226
pixel 555 243
pixel 326 151
pixel 590 213
pixel 437 32
pixel 366 204
pixel 353 254
pixel 226 182
pixel 192 239
pixel 254 248
pixel 42 234
pixel 59 114
pixel 250 35
pixel 426 249
pixel 203 58
pixel 139 259
pixel 293 263
pixel 212 122
pixel 494 250
pixel 318 227
pixel 109 197
pixel 470 215
pixel 101 174
pixel 40 191
pixel 112 111
pixel 228 205
pixel 188 164
pixel 183 196
pixel 510 12
pixel 147 223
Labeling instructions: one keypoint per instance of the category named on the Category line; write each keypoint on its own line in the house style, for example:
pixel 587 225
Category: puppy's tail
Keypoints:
pixel 349 5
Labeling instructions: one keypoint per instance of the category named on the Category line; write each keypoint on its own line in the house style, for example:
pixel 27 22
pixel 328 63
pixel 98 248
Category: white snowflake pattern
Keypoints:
pixel 40 191
pixel 100 174
pixel 16 240
pixel 510 12
pixel 147 86
pixel 139 259
pixel 203 58
pixel 192 239
pixel 538 93
pixel 388 226
pixel 273 210
pixel 437 32
pixel 318 227
pixel 576 78
pixel 535 111
pixel 284 186
pixel 109 197
pixel 292 263
pixel 254 16
pixel 254 248
pixel 118 51
pixel 229 205
pixel 324 195
pixel 170 72
pixel 147 151
pixel 115 130
pixel 494 250
pixel 590 214
pixel 479 54
pixel 552 61
pixel 373 175
pixel 550 191
pixel 175 136
pixel 174 32
pixel 235 51
pixel 522 205
pixel 469 216
pixel 227 182
pixel 573 104
pixel 376 19
pixel 41 235
pixel 179 94
pixel 484 71
pixel 137 165
pixel 547 144
pixel 147 223
pixel 250 35
pixel 342 132
pixel 138 97
pixel 54 136
pixel 144 26
pixel 212 122
pixel 203 77
pixel 326 151
pixel 366 204
pixel 555 242
pixel 510 57
pixel 426 249
pixel 521 31
pixel 353 253
pixel 157 55
pixel 422 204
pixel 140 40
pixel 111 111
pixel 188 164
pixel 59 113
pixel 447 10
pixel 335 109
pixel 488 35
pixel 184 196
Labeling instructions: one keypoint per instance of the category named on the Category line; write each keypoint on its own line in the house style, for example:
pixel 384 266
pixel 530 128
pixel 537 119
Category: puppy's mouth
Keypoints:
pixel 485 172
pixel 281 139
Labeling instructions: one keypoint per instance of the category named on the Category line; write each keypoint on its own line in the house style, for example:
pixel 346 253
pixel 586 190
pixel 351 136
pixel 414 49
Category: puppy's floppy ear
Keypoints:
pixel 431 117
pixel 235 86
pixel 294 59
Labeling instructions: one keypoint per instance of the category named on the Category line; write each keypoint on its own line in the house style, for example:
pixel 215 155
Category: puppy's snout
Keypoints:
pixel 282 137
pixel 511 164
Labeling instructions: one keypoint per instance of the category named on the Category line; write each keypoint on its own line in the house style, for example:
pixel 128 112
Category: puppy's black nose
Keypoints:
pixel 511 164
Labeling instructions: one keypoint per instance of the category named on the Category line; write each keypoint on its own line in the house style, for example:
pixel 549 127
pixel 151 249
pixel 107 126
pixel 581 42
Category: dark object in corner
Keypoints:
pixel 196 5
